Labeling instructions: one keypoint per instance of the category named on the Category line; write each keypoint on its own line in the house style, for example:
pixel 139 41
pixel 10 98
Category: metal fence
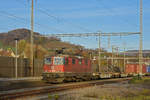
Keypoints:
pixel 38 67
pixel 7 67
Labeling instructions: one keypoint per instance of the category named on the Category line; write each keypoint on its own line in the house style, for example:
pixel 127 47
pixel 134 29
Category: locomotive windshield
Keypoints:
pixel 58 60
pixel 47 61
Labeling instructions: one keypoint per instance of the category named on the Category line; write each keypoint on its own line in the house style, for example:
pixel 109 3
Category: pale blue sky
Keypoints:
pixel 79 16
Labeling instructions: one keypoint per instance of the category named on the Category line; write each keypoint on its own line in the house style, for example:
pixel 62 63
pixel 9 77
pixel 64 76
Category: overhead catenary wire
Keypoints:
pixel 26 21
pixel 39 24
pixel 2 28
pixel 59 19
pixel 123 20
pixel 13 17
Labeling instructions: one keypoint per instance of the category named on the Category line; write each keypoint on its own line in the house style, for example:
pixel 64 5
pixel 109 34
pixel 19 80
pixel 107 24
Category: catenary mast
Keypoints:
pixel 31 39
pixel 141 37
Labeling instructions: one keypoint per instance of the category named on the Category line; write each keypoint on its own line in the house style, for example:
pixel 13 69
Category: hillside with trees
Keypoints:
pixel 42 45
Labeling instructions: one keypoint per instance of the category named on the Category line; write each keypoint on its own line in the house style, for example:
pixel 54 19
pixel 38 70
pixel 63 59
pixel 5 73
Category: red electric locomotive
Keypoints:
pixel 66 68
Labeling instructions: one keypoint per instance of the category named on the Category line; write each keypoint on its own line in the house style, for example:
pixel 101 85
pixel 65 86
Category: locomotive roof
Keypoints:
pixel 71 56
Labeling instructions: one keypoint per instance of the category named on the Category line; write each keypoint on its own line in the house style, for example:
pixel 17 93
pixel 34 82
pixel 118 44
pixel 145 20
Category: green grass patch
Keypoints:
pixel 140 80
pixel 145 92
pixel 53 97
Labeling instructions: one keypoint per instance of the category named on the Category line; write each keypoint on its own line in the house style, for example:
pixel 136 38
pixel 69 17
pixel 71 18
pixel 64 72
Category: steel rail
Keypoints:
pixel 51 89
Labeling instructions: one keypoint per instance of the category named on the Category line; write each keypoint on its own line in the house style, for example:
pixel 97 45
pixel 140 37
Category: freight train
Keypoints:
pixel 64 68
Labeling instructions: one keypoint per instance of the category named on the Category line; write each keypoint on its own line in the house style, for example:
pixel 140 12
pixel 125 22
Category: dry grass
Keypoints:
pixel 107 92
pixel 143 81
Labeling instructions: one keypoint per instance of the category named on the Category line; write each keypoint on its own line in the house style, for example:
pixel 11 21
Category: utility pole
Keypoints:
pixel 32 32
pixel 108 41
pixel 112 61
pixel 124 61
pixel 117 55
pixel 118 62
pixel 141 37
pixel 99 45
pixel 107 63
pixel 16 60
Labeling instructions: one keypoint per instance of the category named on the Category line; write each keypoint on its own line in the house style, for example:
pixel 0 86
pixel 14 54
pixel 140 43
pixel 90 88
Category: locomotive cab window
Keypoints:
pixel 80 61
pixel 66 61
pixel 47 61
pixel 73 61
pixel 86 62
pixel 58 60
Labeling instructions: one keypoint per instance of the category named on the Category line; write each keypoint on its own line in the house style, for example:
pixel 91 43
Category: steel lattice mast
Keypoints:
pixel 31 39
pixel 141 37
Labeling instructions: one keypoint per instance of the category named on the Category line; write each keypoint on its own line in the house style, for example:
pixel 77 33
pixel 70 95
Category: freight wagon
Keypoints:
pixel 134 69
pixel 147 70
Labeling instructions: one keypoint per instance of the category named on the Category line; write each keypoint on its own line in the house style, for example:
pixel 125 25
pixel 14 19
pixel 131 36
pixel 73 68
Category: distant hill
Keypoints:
pixel 7 39
pixel 42 45
pixel 146 53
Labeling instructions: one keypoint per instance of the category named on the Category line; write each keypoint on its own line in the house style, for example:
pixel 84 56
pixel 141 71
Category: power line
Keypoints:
pixel 110 10
pixel 2 28
pixel 13 17
pixel 58 19
pixel 38 24
pixel 49 15
pixel 62 20
pixel 25 21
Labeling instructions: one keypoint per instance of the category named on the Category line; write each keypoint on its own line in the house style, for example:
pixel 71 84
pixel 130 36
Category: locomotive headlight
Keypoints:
pixel 94 74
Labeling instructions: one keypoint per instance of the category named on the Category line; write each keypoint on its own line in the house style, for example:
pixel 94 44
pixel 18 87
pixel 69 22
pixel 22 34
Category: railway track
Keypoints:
pixel 13 94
